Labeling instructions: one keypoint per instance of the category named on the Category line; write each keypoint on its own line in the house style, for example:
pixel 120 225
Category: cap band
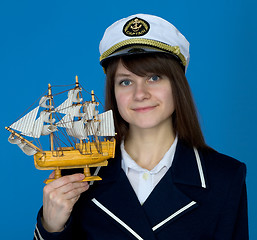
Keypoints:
pixel 148 42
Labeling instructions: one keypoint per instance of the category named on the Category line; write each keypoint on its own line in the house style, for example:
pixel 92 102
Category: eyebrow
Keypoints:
pixel 122 75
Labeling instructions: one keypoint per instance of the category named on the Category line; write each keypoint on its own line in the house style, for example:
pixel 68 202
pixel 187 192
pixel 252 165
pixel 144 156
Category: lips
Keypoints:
pixel 144 109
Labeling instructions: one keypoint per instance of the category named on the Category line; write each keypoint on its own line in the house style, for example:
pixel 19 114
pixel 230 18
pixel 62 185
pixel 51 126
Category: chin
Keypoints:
pixel 147 125
pixel 151 123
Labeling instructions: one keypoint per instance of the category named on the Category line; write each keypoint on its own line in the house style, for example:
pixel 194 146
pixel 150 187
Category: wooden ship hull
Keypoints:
pixel 85 155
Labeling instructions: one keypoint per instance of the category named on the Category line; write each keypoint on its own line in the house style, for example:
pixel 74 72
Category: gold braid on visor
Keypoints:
pixel 146 42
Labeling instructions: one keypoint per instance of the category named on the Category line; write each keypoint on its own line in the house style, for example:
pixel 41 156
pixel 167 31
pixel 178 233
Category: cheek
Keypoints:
pixel 122 102
pixel 167 97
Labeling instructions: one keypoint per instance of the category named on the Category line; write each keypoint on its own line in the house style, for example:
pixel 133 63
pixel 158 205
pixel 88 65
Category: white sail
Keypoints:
pixel 46 117
pixel 47 129
pixel 39 128
pixel 25 124
pixel 74 94
pixel 65 106
pixel 13 140
pixel 92 127
pixel 89 110
pixel 103 125
pixel 65 122
pixel 72 110
pixel 75 111
pixel 106 126
pixel 43 102
pixel 22 145
pixel 28 150
pixel 77 130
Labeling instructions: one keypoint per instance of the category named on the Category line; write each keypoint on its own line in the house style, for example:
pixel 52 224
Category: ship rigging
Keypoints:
pixel 79 136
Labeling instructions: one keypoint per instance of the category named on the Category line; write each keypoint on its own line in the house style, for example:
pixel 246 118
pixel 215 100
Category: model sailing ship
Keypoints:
pixel 79 136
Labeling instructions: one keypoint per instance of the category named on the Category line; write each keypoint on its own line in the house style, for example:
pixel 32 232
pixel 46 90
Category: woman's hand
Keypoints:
pixel 59 198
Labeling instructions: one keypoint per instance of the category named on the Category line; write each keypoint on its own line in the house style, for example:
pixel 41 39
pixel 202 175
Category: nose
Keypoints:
pixel 141 92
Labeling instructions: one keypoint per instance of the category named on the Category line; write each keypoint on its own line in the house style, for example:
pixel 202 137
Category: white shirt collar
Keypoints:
pixel 128 163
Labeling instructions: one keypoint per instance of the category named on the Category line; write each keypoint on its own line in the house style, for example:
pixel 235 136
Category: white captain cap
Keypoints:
pixel 143 33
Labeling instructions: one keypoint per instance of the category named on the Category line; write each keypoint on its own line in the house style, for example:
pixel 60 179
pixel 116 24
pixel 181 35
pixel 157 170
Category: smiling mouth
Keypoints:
pixel 144 109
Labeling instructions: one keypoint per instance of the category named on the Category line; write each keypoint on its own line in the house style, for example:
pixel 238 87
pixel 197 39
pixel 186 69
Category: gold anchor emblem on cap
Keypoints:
pixel 136 27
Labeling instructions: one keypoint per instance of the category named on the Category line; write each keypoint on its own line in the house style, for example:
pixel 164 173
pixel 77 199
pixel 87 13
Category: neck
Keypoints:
pixel 148 146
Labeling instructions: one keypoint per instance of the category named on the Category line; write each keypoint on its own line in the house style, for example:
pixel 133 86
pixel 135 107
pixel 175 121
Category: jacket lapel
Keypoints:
pixel 116 198
pixel 188 167
pixel 168 202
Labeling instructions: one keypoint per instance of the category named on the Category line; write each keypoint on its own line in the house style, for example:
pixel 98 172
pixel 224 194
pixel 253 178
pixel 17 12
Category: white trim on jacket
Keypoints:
pixel 174 215
pixel 189 205
pixel 200 169
pixel 116 219
pixel 36 232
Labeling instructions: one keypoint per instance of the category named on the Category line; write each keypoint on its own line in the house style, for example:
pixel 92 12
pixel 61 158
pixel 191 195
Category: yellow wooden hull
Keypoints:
pixel 67 158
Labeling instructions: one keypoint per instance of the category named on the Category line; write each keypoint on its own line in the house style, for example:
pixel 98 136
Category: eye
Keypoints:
pixel 154 78
pixel 125 82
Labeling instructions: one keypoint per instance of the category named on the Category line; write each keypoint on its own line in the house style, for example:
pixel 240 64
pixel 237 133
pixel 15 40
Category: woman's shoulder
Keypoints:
pixel 221 159
pixel 222 165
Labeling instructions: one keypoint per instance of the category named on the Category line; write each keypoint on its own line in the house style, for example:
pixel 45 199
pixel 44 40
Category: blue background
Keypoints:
pixel 45 42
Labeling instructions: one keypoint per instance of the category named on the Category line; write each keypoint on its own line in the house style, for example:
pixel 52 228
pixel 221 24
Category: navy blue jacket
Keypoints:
pixel 201 197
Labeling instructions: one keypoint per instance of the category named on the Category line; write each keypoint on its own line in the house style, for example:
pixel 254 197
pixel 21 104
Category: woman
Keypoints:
pixel 164 182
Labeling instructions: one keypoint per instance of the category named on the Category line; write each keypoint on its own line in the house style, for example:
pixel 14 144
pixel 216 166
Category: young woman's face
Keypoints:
pixel 143 102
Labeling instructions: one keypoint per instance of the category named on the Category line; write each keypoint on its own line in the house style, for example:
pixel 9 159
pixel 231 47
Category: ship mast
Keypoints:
pixel 95 120
pixel 93 96
pixel 51 117
pixel 77 86
pixel 77 81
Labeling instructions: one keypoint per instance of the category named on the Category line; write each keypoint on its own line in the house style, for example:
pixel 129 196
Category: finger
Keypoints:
pixel 66 191
pixel 75 193
pixel 66 180
pixel 72 186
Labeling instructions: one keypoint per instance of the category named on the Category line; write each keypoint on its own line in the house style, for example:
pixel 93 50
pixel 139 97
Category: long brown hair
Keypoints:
pixel 184 119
